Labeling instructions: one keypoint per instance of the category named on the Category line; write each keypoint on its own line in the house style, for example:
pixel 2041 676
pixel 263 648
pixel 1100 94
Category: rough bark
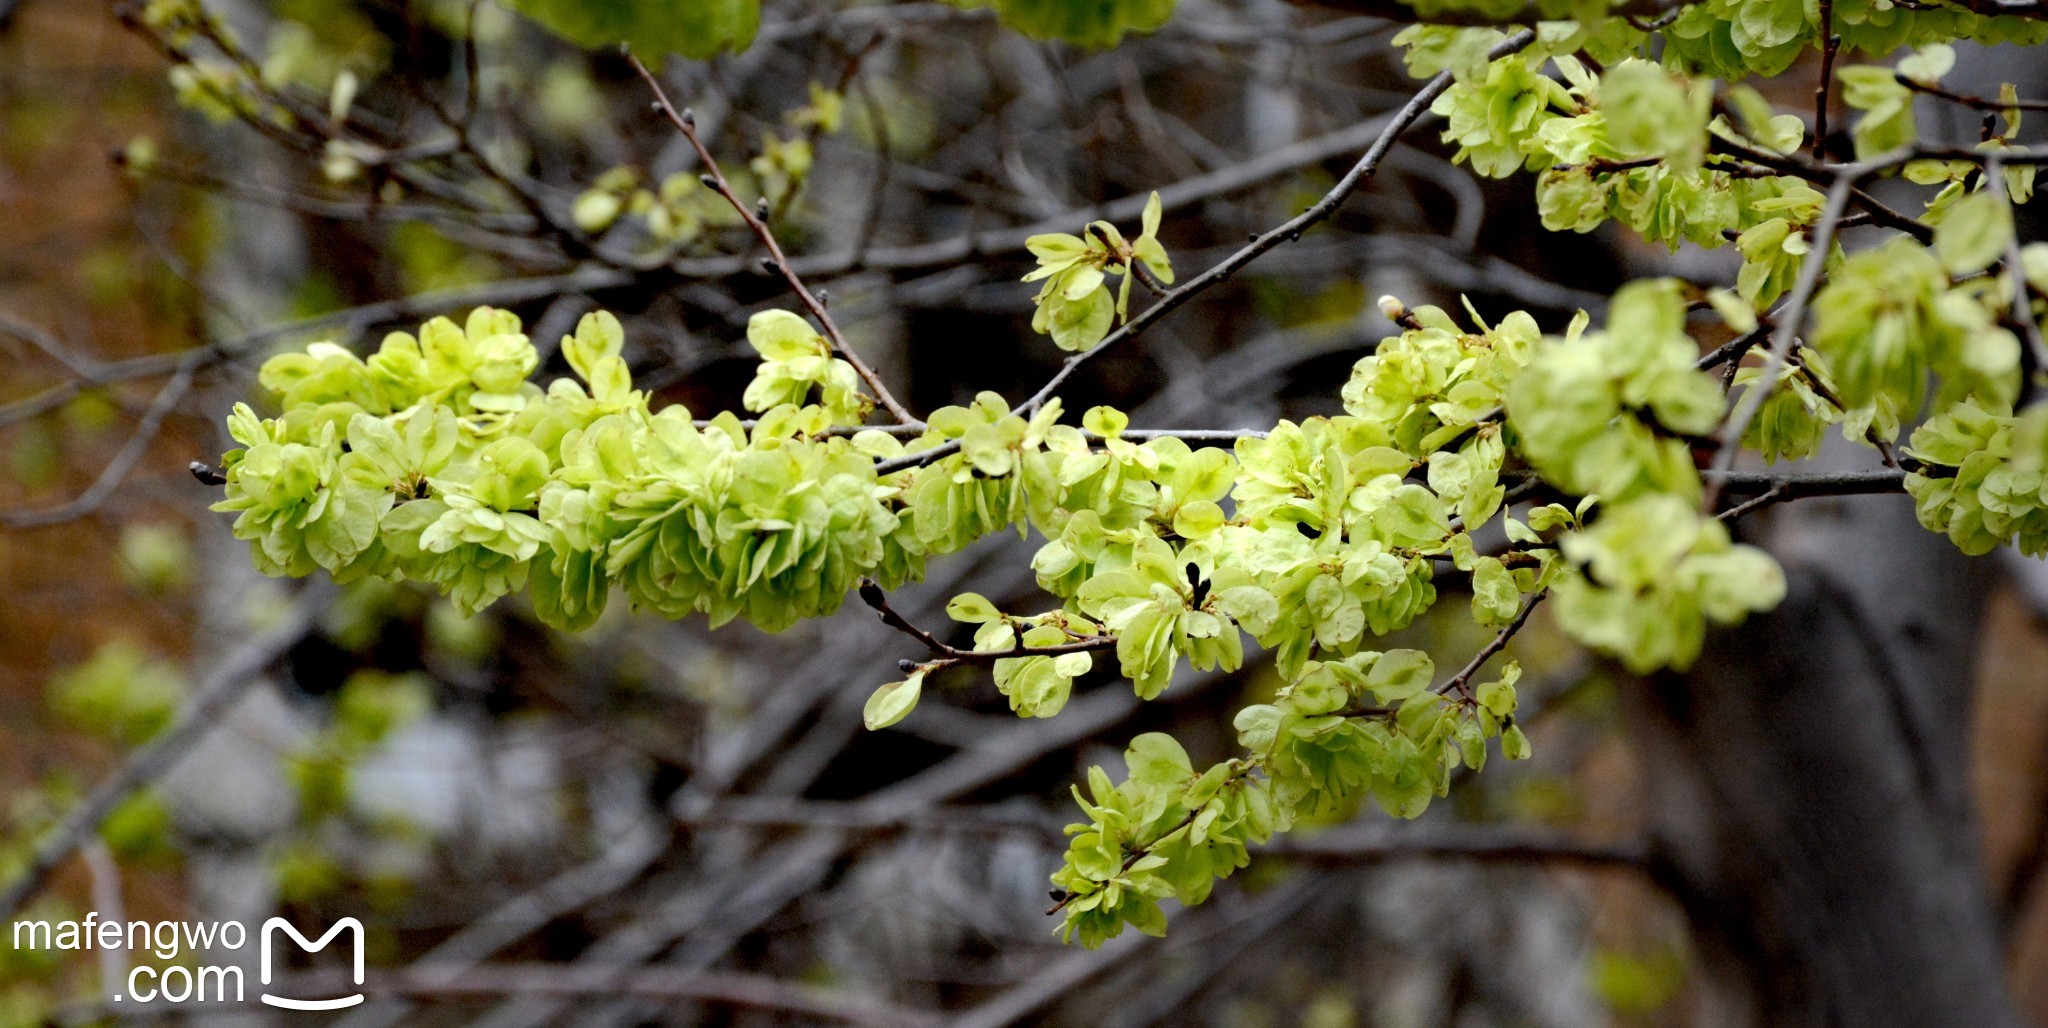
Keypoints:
pixel 1808 786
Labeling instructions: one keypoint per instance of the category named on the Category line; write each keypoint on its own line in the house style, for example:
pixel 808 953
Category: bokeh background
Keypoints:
pixel 654 823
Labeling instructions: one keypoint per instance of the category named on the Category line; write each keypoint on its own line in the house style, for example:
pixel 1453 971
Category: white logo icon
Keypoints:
pixel 314 946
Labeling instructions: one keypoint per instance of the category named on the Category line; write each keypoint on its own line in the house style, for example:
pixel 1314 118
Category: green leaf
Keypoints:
pixel 1198 520
pixel 1495 600
pixel 1513 744
pixel 1156 759
pixel 972 609
pixel 1400 675
pixel 1080 324
pixel 1973 233
pixel 893 702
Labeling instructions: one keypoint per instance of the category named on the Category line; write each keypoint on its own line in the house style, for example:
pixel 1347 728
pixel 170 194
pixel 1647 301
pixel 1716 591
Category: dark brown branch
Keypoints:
pixel 1979 103
pixel 1787 329
pixel 1823 91
pixel 1798 487
pixel 1461 683
pixel 1823 175
pixel 872 595
pixel 686 123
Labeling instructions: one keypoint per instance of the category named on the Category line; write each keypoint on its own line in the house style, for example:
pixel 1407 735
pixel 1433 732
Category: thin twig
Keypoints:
pixel 1367 164
pixel 1769 496
pixel 686 123
pixel 1880 212
pixel 2022 303
pixel 1980 103
pixel 1787 331
pixel 1823 91
pixel 117 469
pixel 872 595
pixel 1461 682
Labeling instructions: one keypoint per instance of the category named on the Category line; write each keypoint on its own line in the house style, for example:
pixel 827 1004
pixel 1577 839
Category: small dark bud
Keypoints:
pixel 207 474
pixel 710 181
pixel 761 208
pixel 768 264
pixel 689 117
pixel 824 298
pixel 906 665
pixel 871 594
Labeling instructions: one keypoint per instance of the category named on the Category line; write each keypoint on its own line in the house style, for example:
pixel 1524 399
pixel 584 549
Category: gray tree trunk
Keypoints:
pixel 1808 786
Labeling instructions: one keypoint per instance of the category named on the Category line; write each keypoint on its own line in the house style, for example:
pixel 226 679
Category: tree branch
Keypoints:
pixel 1367 164
pixel 872 595
pixel 1787 330
pixel 1461 682
pixel 153 759
pixel 117 469
pixel 686 123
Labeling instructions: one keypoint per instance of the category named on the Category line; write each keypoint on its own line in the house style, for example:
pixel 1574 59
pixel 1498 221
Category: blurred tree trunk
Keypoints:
pixel 1809 786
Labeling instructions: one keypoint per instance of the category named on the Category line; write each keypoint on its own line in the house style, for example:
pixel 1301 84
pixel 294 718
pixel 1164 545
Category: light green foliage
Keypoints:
pixel 1632 146
pixel 1074 305
pixel 437 460
pixel 1650 113
pixel 138 828
pixel 1795 417
pixel 1608 412
pixel 1165 832
pixel 653 28
pixel 795 359
pixel 121 692
pixel 1889 316
pixel 1649 575
pixel 155 558
pixel 892 702
pixel 1974 231
pixel 370 706
pixel 1494 121
pixel 702 28
pixel 1983 481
